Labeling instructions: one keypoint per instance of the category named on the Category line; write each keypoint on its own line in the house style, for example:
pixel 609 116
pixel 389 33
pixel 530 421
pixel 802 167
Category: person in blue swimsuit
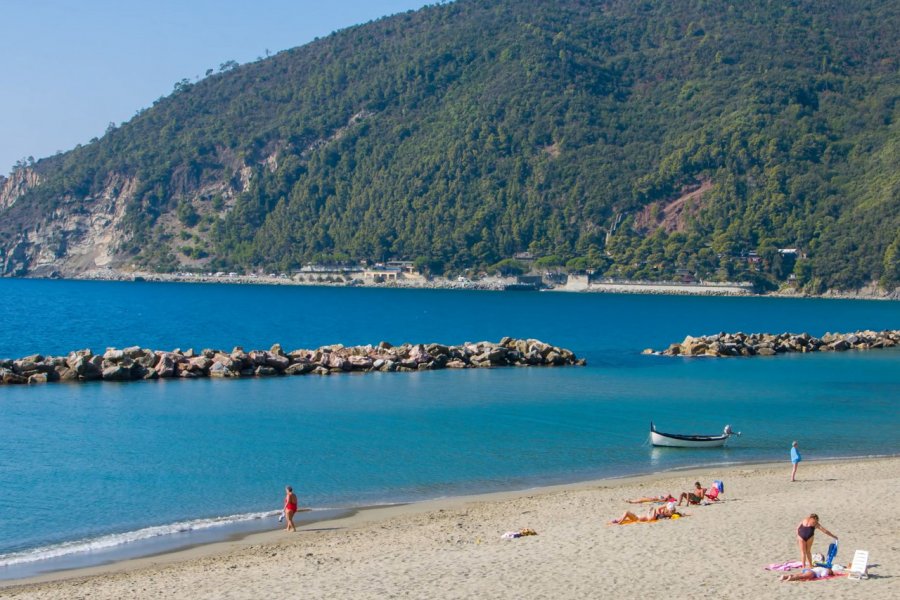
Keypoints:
pixel 795 460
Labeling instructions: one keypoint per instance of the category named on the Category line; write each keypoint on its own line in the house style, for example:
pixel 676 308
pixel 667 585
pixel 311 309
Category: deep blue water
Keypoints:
pixel 85 467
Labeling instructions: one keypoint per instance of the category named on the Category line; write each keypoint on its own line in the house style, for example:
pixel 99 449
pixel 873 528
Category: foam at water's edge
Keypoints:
pixel 118 539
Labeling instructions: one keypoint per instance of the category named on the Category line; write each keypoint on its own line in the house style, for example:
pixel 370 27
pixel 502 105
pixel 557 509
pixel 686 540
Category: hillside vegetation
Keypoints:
pixel 641 139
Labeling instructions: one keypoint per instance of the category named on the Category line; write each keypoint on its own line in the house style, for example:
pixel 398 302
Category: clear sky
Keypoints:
pixel 70 67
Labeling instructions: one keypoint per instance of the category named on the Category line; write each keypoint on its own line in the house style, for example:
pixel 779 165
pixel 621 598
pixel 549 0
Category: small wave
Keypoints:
pixel 114 540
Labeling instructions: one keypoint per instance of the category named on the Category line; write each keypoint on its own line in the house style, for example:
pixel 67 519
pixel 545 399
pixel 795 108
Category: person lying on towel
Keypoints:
pixel 807 574
pixel 663 498
pixel 660 512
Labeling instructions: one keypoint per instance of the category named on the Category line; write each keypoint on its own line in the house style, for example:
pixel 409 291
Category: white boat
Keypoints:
pixel 674 440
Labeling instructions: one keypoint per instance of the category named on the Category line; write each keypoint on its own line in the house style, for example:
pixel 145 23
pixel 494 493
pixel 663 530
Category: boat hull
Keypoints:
pixel 694 441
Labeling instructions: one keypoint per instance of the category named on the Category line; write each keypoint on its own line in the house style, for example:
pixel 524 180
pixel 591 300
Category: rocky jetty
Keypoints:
pixel 131 364
pixel 768 344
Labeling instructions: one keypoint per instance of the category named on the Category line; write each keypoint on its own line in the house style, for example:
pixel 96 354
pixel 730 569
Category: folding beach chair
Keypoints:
pixel 859 566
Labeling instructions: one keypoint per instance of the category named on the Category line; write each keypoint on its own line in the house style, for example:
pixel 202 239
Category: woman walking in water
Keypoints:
pixel 290 507
pixel 805 533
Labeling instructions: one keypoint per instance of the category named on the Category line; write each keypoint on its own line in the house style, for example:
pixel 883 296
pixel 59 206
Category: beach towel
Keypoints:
pixel 824 578
pixel 785 566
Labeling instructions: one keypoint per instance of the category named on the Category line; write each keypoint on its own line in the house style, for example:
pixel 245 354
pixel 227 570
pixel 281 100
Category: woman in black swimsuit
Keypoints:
pixel 805 533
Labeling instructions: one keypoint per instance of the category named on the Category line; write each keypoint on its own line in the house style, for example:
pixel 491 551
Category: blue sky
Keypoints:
pixel 70 67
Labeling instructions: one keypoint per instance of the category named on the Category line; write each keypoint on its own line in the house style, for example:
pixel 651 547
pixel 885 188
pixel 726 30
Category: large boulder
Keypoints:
pixel 38 378
pixel 278 361
pixel 9 376
pixel 839 345
pixel 360 363
pixel 165 366
pixel 133 352
pixel 113 356
pixel 299 368
pixel 147 359
pixel 219 369
pixel 227 361
pixel 117 373
pixel 200 364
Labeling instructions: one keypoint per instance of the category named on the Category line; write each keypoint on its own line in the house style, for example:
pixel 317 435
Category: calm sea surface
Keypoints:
pixel 97 472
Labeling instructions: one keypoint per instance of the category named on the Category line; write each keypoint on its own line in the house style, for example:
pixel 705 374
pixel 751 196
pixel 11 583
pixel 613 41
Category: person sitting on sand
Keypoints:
pixel 663 498
pixel 660 512
pixel 694 497
pixel 807 574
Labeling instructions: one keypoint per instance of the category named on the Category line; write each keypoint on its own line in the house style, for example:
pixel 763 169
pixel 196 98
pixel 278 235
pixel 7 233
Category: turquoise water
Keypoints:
pixel 95 472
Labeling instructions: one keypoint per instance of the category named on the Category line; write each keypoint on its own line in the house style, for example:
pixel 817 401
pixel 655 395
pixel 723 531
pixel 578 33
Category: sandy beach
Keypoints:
pixel 453 548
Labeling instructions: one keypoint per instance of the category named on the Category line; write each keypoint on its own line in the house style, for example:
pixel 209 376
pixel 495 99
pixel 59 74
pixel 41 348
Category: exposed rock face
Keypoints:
pixel 65 241
pixel 18 183
pixel 136 363
pixel 767 344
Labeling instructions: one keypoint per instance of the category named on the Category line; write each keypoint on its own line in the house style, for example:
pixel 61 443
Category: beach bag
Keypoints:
pixel 719 486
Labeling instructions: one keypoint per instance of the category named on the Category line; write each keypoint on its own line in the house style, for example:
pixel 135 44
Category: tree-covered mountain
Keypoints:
pixel 644 139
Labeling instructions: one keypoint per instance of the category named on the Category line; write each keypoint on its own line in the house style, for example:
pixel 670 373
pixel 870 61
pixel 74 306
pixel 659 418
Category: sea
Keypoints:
pixel 99 472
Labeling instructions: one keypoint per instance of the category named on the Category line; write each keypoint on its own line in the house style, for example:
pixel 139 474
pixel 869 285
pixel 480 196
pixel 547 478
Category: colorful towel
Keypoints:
pixel 785 566
pixel 829 577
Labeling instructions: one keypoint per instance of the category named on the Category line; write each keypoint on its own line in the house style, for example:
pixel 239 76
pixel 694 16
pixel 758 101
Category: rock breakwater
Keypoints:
pixel 136 363
pixel 768 344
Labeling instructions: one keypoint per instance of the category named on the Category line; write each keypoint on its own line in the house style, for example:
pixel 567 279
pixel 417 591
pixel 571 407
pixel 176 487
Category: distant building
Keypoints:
pixel 405 266
pixel 685 276
pixel 379 273
pixel 556 277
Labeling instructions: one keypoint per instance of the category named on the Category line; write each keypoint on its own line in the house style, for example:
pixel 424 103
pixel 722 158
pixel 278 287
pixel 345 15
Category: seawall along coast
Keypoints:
pixel 768 344
pixel 135 363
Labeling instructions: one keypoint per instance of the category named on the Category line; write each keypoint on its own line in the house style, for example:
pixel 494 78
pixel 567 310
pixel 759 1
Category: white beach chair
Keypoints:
pixel 859 566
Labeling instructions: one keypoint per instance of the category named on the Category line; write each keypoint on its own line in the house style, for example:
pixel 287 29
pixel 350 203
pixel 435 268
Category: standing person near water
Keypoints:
pixel 290 507
pixel 795 460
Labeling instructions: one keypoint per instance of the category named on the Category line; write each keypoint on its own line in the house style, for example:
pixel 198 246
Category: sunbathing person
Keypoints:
pixel 660 512
pixel 807 574
pixel 694 497
pixel 664 498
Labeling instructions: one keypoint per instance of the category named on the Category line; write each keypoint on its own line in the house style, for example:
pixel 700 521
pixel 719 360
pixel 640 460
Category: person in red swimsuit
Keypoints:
pixel 290 507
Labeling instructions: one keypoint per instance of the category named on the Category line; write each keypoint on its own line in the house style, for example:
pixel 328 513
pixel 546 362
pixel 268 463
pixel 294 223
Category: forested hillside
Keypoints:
pixel 645 140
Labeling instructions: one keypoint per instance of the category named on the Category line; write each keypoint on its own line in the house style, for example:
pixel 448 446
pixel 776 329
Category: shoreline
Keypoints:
pixel 491 284
pixel 361 523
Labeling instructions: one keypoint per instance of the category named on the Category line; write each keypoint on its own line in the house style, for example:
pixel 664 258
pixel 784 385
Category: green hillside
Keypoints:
pixel 463 133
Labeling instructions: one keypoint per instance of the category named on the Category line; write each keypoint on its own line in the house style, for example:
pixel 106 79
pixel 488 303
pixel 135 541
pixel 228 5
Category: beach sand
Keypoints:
pixel 453 548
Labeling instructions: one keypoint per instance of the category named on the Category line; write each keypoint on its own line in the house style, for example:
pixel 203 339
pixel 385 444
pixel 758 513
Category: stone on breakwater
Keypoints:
pixel 768 344
pixel 134 363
